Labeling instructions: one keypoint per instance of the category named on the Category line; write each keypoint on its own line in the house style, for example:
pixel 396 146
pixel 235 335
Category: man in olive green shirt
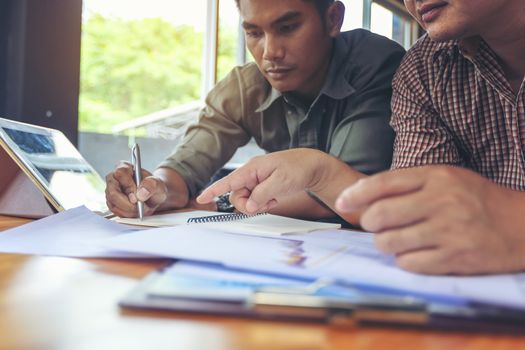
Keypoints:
pixel 310 86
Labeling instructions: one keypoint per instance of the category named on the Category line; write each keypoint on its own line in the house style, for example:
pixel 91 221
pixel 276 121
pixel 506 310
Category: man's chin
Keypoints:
pixel 441 34
pixel 282 86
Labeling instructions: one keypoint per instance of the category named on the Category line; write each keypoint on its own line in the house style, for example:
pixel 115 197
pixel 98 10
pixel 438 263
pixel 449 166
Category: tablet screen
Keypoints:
pixel 56 164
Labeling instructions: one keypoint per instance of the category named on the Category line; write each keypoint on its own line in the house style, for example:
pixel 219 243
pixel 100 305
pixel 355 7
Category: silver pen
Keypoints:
pixel 137 174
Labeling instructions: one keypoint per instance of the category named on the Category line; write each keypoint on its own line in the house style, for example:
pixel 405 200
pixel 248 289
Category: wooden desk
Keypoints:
pixel 61 303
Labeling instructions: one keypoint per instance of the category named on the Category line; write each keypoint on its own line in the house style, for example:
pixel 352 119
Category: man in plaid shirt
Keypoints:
pixel 455 201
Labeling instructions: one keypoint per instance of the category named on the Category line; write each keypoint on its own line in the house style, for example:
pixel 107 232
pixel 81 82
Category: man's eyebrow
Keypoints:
pixel 248 25
pixel 288 16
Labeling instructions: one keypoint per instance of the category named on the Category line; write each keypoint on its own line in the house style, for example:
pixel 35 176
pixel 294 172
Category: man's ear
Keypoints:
pixel 334 16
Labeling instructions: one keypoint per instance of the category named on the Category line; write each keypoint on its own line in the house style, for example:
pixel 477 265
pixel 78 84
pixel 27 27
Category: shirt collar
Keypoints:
pixel 270 99
pixel 336 85
pixel 468 47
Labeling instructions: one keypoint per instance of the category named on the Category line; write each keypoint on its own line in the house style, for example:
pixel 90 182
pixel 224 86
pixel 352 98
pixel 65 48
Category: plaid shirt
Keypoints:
pixel 453 105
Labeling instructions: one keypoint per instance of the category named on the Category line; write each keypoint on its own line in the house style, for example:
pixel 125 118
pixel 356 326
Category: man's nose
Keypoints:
pixel 273 49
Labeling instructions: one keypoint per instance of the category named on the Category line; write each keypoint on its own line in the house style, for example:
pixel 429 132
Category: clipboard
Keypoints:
pixel 322 301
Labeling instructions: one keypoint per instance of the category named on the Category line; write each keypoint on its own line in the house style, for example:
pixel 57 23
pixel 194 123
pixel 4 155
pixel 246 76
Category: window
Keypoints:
pixel 393 23
pixel 231 50
pixel 138 58
pixel 353 14
pixel 385 17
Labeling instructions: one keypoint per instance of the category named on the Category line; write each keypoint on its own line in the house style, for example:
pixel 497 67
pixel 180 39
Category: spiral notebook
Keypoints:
pixel 261 224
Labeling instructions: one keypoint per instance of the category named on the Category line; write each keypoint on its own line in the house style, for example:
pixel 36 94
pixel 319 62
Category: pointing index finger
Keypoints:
pixel 216 189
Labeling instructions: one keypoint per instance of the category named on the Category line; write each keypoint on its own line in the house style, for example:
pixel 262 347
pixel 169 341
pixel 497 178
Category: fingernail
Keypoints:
pixel 342 202
pixel 132 198
pixel 203 199
pixel 143 193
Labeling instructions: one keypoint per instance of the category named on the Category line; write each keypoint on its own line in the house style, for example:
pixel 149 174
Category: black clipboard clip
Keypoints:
pixel 355 306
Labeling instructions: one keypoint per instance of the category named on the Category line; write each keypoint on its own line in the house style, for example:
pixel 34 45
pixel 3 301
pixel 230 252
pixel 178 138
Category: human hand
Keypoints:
pixel 442 220
pixel 261 183
pixel 122 193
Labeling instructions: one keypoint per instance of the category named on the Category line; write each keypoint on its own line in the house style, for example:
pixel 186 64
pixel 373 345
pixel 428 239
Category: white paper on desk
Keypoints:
pixel 70 233
pixel 347 256
pixel 259 225
pixel 194 242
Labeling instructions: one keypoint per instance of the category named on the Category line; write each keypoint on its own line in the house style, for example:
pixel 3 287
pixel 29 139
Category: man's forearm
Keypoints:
pixel 178 195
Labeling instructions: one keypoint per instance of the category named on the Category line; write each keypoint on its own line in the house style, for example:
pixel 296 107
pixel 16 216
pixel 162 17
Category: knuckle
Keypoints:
pixel 460 206
pixel 379 181
pixel 464 260
pixel 407 263
pixel 120 173
pixel 150 183
pixel 443 172
pixel 375 218
pixel 452 200
pixel 385 243
pixel 256 159
pixel 112 197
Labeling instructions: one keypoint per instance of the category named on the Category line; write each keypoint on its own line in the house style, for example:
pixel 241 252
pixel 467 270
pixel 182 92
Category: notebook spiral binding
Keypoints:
pixel 221 218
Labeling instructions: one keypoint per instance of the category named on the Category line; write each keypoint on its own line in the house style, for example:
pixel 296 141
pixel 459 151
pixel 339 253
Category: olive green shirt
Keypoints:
pixel 349 118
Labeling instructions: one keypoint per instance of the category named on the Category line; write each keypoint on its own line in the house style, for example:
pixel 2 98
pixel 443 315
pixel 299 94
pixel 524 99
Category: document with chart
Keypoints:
pixel 346 256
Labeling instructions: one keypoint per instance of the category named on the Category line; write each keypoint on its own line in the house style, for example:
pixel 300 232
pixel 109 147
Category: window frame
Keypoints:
pixel 411 33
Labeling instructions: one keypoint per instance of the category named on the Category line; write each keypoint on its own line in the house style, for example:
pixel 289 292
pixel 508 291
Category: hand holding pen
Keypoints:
pixel 131 189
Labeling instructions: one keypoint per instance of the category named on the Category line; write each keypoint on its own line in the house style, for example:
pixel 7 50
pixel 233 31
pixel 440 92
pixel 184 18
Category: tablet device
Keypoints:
pixel 54 168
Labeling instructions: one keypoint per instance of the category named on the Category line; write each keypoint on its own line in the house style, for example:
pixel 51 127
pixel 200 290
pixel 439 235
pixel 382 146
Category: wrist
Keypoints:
pixel 333 177
pixel 174 187
pixel 327 169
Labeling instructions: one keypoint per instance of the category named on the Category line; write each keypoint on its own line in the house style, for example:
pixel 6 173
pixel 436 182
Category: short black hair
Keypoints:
pixel 321 5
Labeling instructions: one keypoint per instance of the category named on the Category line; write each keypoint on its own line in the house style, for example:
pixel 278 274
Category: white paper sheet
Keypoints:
pixel 344 255
pixel 70 233
pixel 193 242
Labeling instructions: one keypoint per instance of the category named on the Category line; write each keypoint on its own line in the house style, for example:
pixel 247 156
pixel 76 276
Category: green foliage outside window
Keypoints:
pixel 136 67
